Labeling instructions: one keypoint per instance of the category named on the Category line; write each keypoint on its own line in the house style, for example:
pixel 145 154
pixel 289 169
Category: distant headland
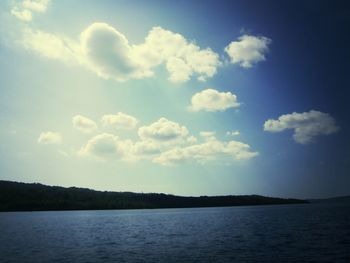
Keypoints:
pixel 15 196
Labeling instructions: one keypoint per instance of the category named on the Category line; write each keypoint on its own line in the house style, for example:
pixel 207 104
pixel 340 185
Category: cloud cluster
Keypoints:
pixel 84 124
pixel 24 10
pixel 107 52
pixel 119 121
pixel 248 50
pixel 213 100
pixel 166 142
pixel 181 57
pixel 208 151
pixel 50 137
pixel 306 125
pixel 153 139
pixel 111 56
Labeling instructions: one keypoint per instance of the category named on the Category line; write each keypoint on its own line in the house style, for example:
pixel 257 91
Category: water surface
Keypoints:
pixel 280 233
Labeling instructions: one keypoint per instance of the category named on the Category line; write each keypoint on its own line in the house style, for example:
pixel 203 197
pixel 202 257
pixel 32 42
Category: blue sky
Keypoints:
pixel 241 97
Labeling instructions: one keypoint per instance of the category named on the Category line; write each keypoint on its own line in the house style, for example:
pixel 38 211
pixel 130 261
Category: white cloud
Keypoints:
pixel 182 58
pixel 306 125
pixel 213 100
pixel 146 148
pixel 167 142
pixel 208 135
pixel 111 56
pixel 52 46
pixel 84 124
pixel 191 139
pixel 208 151
pixel 39 6
pixel 163 130
pixel 233 133
pixel 24 10
pixel 119 121
pixel 22 14
pixel 106 146
pixel 50 137
pixel 108 53
pixel 248 50
pixel 178 69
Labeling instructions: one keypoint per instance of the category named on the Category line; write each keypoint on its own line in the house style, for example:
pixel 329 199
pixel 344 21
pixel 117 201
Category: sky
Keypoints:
pixel 181 97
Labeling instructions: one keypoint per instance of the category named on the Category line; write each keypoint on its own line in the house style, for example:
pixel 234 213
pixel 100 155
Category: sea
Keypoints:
pixel 275 233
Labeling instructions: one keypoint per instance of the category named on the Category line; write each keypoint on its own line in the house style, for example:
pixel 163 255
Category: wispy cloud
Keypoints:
pixel 50 137
pixel 24 10
pixel 233 133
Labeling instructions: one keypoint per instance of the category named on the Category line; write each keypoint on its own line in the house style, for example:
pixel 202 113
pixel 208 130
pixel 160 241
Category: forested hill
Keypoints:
pixel 16 196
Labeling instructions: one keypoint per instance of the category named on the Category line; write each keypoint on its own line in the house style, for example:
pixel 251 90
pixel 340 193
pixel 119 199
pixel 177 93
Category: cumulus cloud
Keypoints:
pixel 160 136
pixel 119 121
pixel 111 56
pixel 213 100
pixel 178 69
pixel 108 53
pixel 208 151
pixel 106 146
pixel 50 137
pixel 182 57
pixel 163 130
pixel 84 124
pixel 306 125
pixel 166 142
pixel 248 50
pixel 24 10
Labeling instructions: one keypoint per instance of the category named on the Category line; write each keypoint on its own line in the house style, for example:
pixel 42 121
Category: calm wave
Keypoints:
pixel 283 233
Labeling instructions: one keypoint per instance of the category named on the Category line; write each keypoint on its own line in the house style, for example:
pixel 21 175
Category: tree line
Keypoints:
pixel 15 196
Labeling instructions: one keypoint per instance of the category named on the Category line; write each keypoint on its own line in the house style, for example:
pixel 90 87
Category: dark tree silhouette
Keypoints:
pixel 16 196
